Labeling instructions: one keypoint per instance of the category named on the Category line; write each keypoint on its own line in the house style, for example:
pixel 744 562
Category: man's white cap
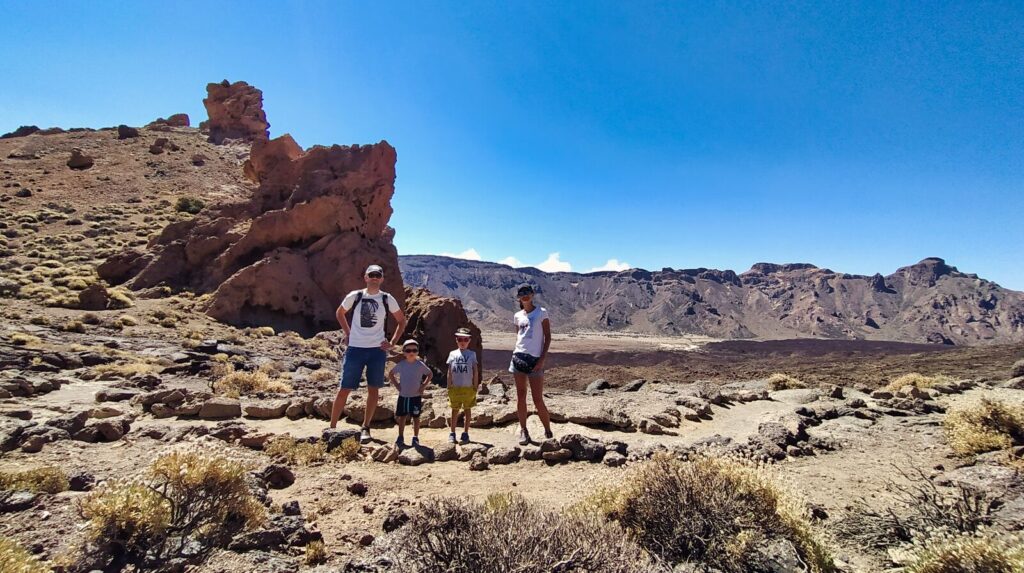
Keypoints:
pixel 374 268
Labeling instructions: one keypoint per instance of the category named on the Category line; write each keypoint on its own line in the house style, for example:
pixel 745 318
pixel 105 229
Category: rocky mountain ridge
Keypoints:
pixel 926 302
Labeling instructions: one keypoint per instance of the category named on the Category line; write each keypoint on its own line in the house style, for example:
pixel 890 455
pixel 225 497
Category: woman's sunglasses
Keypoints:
pixel 461 339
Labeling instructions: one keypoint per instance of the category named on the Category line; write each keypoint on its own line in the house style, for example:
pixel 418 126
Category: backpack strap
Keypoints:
pixel 352 311
pixel 387 314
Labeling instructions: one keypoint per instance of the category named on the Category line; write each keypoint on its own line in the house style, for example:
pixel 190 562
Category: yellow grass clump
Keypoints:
pixel 15 559
pixel 316 553
pixel 22 339
pixel 780 381
pixel 40 480
pixel 304 453
pixel 968 554
pixel 234 383
pixel 984 426
pixel 918 380
pixel 125 370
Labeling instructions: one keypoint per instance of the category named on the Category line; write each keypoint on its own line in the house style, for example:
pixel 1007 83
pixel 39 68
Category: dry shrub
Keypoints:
pixel 713 511
pixel 323 375
pixel 1017 369
pixel 120 298
pixel 41 480
pixel 261 332
pixel 304 452
pixel 234 383
pixel 15 559
pixel 321 349
pixel 457 535
pixel 22 339
pixel 127 320
pixel 188 498
pixel 917 508
pixel 918 380
pixel 125 370
pixel 316 553
pixel 780 381
pixel 984 426
pixel 968 554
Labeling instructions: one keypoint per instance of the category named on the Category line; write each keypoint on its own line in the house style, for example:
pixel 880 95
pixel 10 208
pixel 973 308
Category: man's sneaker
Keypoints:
pixel 524 437
pixel 364 436
pixel 465 437
pixel 415 441
pixel 400 442
pixel 451 438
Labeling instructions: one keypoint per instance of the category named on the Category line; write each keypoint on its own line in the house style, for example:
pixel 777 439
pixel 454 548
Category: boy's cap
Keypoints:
pixel 374 268
pixel 410 342
pixel 463 332
pixel 524 290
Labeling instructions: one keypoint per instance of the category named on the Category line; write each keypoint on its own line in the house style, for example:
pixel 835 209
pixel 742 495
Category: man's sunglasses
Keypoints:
pixel 375 275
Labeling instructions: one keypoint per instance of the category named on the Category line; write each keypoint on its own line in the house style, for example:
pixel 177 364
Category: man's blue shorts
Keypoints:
pixel 373 359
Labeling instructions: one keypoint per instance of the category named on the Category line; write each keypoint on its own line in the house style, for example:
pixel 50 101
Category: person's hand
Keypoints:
pixel 386 346
pixel 344 340
pixel 539 367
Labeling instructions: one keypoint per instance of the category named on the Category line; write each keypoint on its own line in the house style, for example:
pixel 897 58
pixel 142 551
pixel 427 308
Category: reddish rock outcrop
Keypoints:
pixel 432 322
pixel 236 112
pixel 176 120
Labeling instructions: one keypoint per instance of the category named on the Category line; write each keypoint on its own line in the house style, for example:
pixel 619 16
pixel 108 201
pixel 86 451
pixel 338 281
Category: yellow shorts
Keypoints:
pixel 461 398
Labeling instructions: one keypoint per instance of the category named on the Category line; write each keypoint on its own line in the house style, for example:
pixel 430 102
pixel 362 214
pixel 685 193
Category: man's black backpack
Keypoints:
pixel 359 298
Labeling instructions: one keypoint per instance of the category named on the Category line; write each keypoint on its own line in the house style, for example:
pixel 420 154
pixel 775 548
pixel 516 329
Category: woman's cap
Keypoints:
pixel 410 342
pixel 463 332
pixel 524 290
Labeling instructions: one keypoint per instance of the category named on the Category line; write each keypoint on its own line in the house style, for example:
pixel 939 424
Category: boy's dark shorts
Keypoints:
pixel 409 406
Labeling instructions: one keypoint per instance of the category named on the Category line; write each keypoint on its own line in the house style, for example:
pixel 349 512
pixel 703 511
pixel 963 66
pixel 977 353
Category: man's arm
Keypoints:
pixel 400 328
pixel 340 314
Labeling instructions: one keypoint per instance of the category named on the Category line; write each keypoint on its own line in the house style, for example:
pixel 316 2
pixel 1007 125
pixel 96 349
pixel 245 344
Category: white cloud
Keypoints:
pixel 554 265
pixel 468 254
pixel 512 262
pixel 612 265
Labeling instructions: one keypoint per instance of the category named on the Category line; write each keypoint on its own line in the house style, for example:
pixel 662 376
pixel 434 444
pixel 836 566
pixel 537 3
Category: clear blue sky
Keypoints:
pixel 856 136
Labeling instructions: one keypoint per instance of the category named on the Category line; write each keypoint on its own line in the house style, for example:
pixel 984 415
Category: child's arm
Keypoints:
pixel 449 375
pixel 426 381
pixel 393 379
pixel 476 376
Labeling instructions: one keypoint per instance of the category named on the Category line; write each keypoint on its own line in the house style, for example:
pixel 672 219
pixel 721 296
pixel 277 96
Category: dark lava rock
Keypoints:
pixel 357 488
pixel 277 476
pixel 395 519
pixel 16 500
pixel 81 481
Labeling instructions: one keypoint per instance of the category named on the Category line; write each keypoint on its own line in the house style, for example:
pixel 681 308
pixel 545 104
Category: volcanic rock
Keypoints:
pixel 236 112
pixel 125 132
pixel 432 322
pixel 79 160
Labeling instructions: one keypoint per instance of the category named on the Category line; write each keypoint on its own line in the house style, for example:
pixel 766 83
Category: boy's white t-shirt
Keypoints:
pixel 530 331
pixel 461 363
pixel 368 320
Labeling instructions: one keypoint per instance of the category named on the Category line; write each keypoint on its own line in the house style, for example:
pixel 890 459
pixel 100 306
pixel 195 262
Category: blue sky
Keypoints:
pixel 855 136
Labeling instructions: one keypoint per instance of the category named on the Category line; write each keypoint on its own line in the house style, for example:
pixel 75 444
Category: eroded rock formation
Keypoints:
pixel 433 320
pixel 236 112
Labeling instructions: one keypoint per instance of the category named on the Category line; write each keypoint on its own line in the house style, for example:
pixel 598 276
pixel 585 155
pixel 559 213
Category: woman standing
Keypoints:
pixel 533 338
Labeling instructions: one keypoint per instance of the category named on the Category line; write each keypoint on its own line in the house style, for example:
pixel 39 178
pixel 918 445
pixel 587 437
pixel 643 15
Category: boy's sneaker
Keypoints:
pixel 415 441
pixel 400 442
pixel 524 437
pixel 451 438
pixel 465 437
pixel 364 436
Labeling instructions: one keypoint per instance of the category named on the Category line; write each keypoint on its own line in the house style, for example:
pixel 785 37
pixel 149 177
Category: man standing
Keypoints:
pixel 367 343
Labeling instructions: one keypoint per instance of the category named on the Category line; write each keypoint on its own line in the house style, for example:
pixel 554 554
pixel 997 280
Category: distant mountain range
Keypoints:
pixel 926 302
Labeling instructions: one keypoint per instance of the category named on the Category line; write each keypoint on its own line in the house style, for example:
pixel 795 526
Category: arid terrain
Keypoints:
pixel 163 306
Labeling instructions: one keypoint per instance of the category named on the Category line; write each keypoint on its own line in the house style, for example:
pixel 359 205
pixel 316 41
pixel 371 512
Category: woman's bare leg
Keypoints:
pixel 537 391
pixel 521 398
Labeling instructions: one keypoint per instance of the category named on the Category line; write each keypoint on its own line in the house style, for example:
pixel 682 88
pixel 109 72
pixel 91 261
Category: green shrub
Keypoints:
pixel 191 205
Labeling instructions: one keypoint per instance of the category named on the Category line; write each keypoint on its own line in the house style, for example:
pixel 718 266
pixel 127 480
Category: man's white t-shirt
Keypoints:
pixel 530 331
pixel 368 320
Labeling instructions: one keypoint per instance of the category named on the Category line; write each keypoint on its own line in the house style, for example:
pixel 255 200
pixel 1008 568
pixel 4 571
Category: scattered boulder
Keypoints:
pixel 499 455
pixel 614 459
pixel 532 453
pixel 125 132
pixel 583 448
pixel 236 112
pixel 16 500
pixel 93 297
pixel 598 385
pixel 220 407
pixel 33 444
pixel 357 488
pixel 277 476
pixel 176 120
pixel 267 409
pixel 478 463
pixel 445 452
pixel 335 437
pixel 634 386
pixel 558 456
pixel 470 450
pixel 415 456
pixel 79 160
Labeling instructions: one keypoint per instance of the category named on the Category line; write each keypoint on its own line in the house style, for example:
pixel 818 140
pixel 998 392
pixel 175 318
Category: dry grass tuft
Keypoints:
pixel 984 426
pixel 316 553
pixel 234 383
pixel 712 511
pixel 968 554
pixel 455 534
pixel 126 369
pixel 22 339
pixel 323 375
pixel 780 381
pixel 15 559
pixel 918 380
pixel 304 453
pixel 261 332
pixel 41 480
pixel 188 497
